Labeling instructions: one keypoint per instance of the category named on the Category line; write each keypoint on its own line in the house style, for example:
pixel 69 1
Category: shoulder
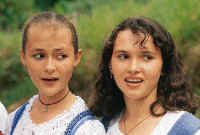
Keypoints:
pixel 21 108
pixel 19 111
pixel 91 127
pixel 113 126
pixel 186 124
pixel 3 111
pixel 115 120
pixel 3 117
pixel 2 107
pixel 12 114
pixel 10 119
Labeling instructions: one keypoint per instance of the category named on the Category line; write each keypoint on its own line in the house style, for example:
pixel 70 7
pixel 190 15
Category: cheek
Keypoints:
pixel 34 74
pixel 33 68
pixel 118 67
pixel 154 71
pixel 116 71
pixel 66 69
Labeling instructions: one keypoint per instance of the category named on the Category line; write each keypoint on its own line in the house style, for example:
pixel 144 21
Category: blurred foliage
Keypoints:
pixel 192 65
pixel 45 4
pixel 11 69
pixel 14 12
pixel 94 20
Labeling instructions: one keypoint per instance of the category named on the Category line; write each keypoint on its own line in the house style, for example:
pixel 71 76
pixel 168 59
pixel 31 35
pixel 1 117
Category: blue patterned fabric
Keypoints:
pixel 187 124
pixel 78 121
pixel 18 115
pixel 71 129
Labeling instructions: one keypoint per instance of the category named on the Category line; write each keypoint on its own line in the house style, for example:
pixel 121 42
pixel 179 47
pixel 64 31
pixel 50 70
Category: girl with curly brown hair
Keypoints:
pixel 141 88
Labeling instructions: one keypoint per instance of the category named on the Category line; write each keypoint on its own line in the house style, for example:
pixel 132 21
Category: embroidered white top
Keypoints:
pixel 57 125
pixel 3 117
pixel 164 126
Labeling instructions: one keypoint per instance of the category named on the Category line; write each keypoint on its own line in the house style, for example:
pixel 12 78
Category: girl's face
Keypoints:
pixel 136 69
pixel 49 58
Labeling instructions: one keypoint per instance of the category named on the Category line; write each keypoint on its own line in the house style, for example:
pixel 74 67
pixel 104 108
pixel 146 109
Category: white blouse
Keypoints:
pixel 163 127
pixel 3 117
pixel 57 125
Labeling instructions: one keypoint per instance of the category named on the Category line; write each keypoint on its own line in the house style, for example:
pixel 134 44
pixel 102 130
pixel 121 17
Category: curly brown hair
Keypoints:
pixel 173 91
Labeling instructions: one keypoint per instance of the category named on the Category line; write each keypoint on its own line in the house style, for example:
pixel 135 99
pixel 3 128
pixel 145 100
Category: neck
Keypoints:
pixel 41 113
pixel 59 101
pixel 49 99
pixel 136 108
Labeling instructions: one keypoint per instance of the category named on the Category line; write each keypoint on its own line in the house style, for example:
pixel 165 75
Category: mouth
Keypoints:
pixel 50 79
pixel 133 82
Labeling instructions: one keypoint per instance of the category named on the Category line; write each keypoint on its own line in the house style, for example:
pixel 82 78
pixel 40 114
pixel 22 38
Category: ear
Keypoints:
pixel 22 57
pixel 78 57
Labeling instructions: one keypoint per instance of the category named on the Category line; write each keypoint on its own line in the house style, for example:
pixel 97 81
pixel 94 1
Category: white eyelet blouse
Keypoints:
pixel 163 127
pixel 57 125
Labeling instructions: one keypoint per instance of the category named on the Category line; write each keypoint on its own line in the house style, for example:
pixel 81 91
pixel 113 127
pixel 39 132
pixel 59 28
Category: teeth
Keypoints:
pixel 134 80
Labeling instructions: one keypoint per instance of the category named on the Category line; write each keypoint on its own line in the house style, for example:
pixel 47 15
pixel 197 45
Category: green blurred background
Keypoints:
pixel 94 20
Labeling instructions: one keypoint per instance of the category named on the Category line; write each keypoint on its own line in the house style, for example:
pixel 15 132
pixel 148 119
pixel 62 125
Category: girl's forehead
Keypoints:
pixel 129 34
pixel 40 32
pixel 128 37
pixel 49 38
pixel 133 38
pixel 127 40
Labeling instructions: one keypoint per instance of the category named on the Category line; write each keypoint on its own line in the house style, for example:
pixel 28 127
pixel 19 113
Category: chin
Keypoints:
pixel 134 96
pixel 49 93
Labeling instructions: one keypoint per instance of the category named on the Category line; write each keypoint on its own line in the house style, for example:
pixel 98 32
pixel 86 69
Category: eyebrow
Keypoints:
pixel 59 49
pixel 148 52
pixel 120 51
pixel 143 52
pixel 40 49
pixel 37 49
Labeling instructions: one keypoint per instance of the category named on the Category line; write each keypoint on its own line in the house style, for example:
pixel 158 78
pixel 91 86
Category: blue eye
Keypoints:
pixel 38 56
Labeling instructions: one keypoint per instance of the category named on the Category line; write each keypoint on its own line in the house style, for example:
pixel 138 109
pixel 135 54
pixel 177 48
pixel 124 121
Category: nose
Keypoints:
pixel 50 66
pixel 134 66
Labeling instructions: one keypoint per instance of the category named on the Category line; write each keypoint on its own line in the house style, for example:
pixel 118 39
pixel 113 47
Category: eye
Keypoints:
pixel 61 56
pixel 147 57
pixel 38 56
pixel 123 56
